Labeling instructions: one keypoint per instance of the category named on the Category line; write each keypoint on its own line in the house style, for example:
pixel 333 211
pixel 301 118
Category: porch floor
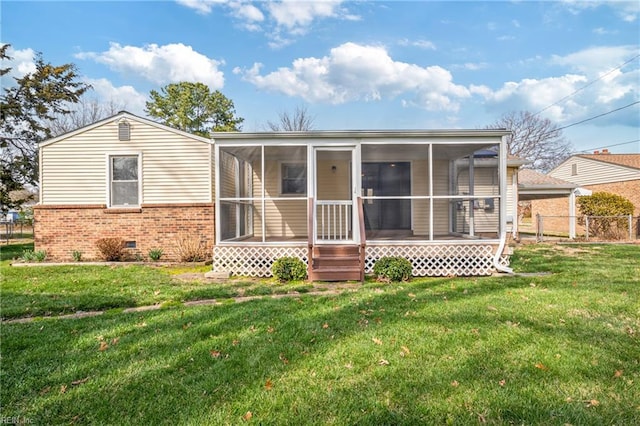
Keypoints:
pixel 372 237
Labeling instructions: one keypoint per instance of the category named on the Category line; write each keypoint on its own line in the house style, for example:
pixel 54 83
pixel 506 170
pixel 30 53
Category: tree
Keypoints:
pixel 299 121
pixel 535 139
pixel 25 108
pixel 605 210
pixel 193 108
pixel 84 112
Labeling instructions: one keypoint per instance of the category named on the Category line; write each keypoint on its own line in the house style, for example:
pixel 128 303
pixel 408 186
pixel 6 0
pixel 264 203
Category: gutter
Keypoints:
pixel 496 258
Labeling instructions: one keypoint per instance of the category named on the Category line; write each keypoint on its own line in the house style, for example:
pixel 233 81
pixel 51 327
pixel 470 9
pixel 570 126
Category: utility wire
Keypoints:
pixel 587 85
pixel 609 146
pixel 594 117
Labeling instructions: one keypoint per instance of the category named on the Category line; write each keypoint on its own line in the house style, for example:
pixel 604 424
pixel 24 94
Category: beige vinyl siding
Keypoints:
pixel 440 206
pixel 485 186
pixel 420 187
pixel 175 168
pixel 592 172
pixel 283 218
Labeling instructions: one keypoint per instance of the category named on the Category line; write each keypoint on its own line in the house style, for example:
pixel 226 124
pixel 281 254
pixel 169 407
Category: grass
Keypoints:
pixel 555 349
pixel 57 290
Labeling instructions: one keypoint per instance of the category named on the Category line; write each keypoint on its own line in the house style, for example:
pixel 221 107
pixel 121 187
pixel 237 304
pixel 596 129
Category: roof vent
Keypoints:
pixel 124 130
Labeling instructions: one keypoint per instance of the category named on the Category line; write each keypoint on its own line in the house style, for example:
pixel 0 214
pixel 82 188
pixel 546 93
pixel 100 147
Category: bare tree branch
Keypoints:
pixel 298 121
pixel 535 139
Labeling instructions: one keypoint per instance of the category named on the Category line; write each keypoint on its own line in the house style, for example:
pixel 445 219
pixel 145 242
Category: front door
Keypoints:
pixel 387 179
pixel 335 213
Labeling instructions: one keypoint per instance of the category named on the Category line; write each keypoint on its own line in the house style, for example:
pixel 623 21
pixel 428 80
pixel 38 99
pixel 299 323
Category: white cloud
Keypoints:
pixel 595 60
pixel 297 15
pixel 22 62
pixel 353 72
pixel 422 44
pixel 127 96
pixel 170 63
pixel 279 20
pixel 203 7
pixel 628 11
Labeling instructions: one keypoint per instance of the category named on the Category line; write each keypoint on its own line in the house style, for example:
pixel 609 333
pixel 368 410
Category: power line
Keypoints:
pixel 596 116
pixel 609 146
pixel 587 85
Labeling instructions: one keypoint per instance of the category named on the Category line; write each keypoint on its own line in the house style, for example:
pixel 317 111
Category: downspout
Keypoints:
pixel 502 158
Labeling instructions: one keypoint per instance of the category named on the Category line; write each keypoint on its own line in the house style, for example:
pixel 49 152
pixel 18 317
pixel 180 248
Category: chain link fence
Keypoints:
pixel 17 229
pixel 588 228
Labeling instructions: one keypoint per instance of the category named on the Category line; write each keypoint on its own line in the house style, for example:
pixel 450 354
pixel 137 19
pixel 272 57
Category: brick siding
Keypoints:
pixel 560 206
pixel 62 229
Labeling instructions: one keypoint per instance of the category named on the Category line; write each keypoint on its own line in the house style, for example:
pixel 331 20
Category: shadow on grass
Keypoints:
pixel 315 360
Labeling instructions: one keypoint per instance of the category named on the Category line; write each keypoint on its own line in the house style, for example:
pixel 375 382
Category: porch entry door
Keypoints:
pixel 387 179
pixel 334 210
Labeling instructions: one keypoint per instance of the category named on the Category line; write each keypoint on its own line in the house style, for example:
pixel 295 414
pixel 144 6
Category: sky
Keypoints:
pixel 356 64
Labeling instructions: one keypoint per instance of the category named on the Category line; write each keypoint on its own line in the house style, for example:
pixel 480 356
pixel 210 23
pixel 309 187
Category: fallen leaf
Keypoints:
pixel 405 350
pixel 283 358
pixel 79 382
pixel 411 295
pixel 157 292
pixel 492 308
pixel 377 341
pixel 115 340
pixel 247 416
pixel 541 366
pixel 502 382
pixel 270 329
pixel 618 373
pixel 45 390
pixel 455 384
pixel 235 342
pixel 325 325
pixel 348 365
pixel 593 403
pixel 185 326
pixel 103 346
pixel 268 385
pixel 63 388
pixel 383 362
pixel 214 353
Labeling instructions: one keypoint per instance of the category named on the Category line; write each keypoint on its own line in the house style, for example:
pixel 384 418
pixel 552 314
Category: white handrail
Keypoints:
pixel 333 219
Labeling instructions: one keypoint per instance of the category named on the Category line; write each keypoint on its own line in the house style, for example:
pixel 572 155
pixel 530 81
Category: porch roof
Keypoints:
pixel 363 134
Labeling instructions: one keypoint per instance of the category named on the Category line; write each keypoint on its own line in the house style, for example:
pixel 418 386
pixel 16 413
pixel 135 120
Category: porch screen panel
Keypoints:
pixel 283 210
pixel 285 220
pixel 236 189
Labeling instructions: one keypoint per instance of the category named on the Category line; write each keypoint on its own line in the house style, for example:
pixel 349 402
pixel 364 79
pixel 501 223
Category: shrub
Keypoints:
pixel 390 268
pixel 155 254
pixel 111 249
pixel 28 256
pixel 191 249
pixel 605 204
pixel 289 269
pixel 40 255
pixel 34 256
pixel 77 255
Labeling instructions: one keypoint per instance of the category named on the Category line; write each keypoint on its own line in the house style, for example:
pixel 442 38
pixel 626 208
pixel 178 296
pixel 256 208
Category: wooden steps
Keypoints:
pixel 336 263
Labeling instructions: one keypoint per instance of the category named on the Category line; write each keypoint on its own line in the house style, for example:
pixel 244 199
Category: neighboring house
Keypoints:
pixel 338 200
pixel 598 172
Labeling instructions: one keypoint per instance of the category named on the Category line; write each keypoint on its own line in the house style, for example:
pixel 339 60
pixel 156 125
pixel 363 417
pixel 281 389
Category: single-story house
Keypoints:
pixel 338 200
pixel 597 172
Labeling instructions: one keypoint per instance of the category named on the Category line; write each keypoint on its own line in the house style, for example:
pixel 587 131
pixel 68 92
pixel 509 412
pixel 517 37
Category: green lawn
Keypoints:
pixel 562 348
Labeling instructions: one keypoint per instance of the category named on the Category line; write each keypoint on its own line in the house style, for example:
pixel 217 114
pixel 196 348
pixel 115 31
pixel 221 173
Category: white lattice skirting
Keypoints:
pixel 439 260
pixel 427 260
pixel 253 261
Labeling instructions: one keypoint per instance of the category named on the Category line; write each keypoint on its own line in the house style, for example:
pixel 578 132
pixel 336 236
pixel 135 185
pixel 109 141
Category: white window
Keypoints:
pixel 574 169
pixel 124 181
pixel 294 178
